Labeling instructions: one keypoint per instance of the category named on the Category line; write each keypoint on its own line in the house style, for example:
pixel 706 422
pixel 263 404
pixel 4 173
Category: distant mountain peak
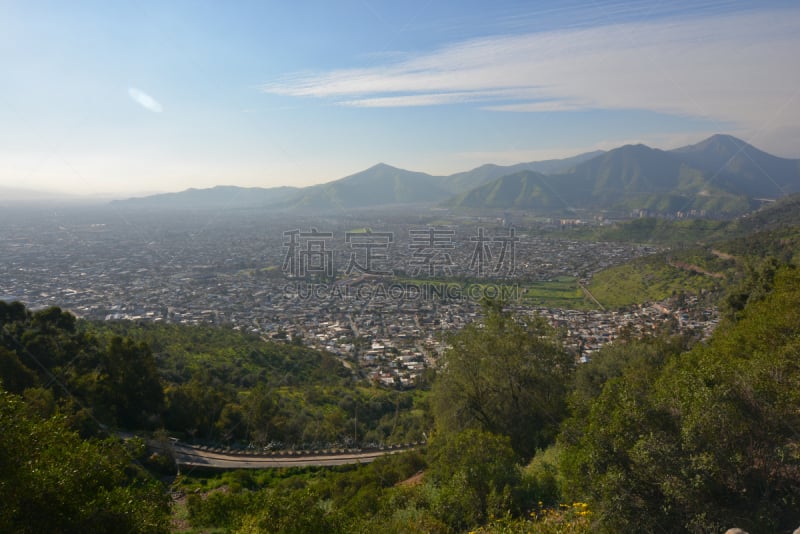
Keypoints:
pixel 726 137
pixel 383 166
pixel 716 142
pixel 633 147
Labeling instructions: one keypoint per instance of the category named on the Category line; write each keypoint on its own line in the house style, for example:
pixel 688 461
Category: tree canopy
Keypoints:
pixel 709 440
pixel 51 480
pixel 507 375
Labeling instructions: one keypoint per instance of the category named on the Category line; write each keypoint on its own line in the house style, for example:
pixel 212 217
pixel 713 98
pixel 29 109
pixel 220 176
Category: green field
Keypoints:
pixel 563 292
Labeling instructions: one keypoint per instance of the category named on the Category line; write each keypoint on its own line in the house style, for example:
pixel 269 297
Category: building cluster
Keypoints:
pixel 384 304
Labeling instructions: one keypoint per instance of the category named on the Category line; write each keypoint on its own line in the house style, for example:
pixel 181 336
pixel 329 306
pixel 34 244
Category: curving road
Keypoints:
pixel 189 456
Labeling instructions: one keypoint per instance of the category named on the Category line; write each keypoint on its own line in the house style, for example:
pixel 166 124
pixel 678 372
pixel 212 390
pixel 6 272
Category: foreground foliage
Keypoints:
pixel 702 440
pixel 111 381
pixel 506 375
pixel 53 481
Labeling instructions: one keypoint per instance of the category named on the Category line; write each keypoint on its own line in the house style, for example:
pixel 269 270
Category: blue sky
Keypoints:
pixel 112 98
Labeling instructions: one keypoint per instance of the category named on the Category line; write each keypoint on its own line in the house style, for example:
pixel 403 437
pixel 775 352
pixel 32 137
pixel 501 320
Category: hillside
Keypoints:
pixel 632 177
pixel 378 185
pixel 720 176
pixel 742 168
pixel 527 190
pixel 783 213
pixel 464 181
pixel 707 256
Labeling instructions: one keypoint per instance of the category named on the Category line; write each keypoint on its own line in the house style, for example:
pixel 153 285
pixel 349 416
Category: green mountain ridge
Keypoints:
pixel 464 181
pixel 721 176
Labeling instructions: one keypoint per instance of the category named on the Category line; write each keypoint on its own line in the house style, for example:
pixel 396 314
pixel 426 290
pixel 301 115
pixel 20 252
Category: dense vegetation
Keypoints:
pixel 99 381
pixel 699 440
pixel 51 480
pixel 211 384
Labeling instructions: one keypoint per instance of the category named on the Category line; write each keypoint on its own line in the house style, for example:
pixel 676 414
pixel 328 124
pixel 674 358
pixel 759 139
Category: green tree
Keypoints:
pixel 637 357
pixel 115 383
pixel 52 481
pixel 507 375
pixel 13 373
pixel 260 407
pixel 135 388
pixel 475 472
pixel 758 280
pixel 193 408
pixel 231 423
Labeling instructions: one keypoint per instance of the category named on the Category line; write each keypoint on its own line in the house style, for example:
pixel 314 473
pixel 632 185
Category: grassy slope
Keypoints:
pixel 651 279
pixel 699 259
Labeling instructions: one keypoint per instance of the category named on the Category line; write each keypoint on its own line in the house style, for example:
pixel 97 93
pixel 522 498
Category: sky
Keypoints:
pixel 127 98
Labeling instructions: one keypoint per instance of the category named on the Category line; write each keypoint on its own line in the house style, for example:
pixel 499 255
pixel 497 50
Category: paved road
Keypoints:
pixel 188 456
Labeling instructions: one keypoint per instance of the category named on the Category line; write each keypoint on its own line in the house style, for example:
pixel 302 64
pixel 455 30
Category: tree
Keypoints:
pixel 638 357
pixel 475 471
pixel 260 407
pixel 115 383
pixel 193 408
pixel 758 280
pixel 15 376
pixel 52 481
pixel 508 376
pixel 134 389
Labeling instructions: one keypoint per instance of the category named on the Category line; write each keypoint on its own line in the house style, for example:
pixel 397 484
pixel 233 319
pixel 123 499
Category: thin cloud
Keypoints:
pixel 430 99
pixel 732 68
pixel 146 101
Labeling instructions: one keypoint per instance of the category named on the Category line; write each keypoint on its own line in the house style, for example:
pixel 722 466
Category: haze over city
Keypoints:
pixel 116 100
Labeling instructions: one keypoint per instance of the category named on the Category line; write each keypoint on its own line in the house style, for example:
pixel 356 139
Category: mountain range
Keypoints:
pixel 720 175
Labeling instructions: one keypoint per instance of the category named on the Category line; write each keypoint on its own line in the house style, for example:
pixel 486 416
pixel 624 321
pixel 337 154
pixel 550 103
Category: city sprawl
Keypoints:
pixel 381 291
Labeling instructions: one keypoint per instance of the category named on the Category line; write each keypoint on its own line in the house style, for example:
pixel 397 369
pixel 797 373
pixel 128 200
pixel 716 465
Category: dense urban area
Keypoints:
pixel 382 300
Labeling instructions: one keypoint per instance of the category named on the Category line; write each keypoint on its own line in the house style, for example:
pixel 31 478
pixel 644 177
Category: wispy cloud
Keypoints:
pixel 429 99
pixel 736 68
pixel 146 101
